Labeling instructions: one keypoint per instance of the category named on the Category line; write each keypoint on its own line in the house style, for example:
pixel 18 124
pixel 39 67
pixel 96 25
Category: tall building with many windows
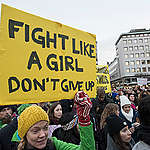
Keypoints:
pixel 132 57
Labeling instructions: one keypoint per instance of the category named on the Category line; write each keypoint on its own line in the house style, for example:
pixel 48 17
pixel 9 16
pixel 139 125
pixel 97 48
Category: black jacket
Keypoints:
pixel 6 135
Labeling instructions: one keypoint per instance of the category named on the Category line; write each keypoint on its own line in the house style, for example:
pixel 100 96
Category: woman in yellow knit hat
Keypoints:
pixel 33 128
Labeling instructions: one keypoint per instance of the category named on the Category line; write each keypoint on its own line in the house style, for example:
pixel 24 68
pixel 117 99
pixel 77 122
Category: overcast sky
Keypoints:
pixel 105 18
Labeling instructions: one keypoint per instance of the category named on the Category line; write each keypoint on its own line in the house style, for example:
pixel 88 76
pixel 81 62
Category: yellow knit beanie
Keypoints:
pixel 29 117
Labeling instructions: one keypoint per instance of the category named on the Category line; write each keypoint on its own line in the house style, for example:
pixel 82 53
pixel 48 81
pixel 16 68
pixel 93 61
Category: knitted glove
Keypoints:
pixel 83 106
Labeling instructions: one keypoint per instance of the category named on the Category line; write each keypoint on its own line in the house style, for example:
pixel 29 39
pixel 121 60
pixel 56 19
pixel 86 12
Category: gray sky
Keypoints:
pixel 105 18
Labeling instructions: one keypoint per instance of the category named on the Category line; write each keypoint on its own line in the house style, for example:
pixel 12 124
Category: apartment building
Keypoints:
pixel 132 57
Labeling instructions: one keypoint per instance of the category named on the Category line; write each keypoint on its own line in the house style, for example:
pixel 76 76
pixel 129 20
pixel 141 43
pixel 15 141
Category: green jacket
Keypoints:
pixel 86 137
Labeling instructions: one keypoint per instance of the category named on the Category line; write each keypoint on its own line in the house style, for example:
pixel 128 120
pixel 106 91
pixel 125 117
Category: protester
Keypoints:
pixel 119 137
pixel 133 101
pixel 54 113
pixel 127 112
pixel 9 134
pixel 6 113
pixel 144 128
pixel 116 98
pixel 67 105
pixel 33 128
pixel 110 108
pixel 98 105
pixel 69 130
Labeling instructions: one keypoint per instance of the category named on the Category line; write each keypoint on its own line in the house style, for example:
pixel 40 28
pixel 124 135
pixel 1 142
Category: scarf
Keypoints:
pixel 128 116
pixel 71 124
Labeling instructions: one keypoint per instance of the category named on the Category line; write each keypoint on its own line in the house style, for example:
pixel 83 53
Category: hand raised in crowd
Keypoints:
pixel 83 106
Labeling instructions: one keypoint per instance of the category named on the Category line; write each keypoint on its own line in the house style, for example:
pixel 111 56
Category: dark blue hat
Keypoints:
pixel 115 124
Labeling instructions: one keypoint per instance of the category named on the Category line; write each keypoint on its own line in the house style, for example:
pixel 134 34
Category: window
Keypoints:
pixel 145 34
pixel 142 54
pixel 148 54
pixel 141 35
pixel 148 69
pixel 140 40
pixel 147 47
pixel 133 70
pixel 125 49
pixel 137 55
pixel 134 79
pixel 131 55
pixel 141 47
pixel 125 41
pixel 135 40
pixel 148 61
pixel 144 69
pixel 133 35
pixel 129 41
pixel 126 56
pixel 137 35
pixel 136 47
pixel 132 62
pixel 137 62
pixel 131 48
pixel 127 63
pixel 146 40
pixel 128 70
pixel 143 62
pixel 138 69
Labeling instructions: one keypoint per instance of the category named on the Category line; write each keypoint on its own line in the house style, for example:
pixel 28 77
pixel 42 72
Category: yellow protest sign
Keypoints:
pixel 103 77
pixel 42 60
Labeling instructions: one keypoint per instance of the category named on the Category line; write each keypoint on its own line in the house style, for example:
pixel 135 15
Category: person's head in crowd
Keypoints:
pixel 144 110
pixel 115 96
pixel 109 109
pixel 120 92
pixel 143 94
pixel 100 94
pixel 6 112
pixel 55 112
pixel 118 130
pixel 131 97
pixel 33 128
pixel 125 104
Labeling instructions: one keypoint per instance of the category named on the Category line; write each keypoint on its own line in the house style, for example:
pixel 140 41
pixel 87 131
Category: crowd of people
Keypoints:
pixel 114 121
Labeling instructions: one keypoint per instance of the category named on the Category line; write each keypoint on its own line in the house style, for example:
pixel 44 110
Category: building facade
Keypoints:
pixel 132 57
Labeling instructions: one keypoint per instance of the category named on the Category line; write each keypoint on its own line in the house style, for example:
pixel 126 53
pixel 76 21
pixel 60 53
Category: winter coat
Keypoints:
pixel 86 136
pixel 98 107
pixel 112 146
pixel 70 136
pixel 87 141
pixel 135 115
pixel 6 134
pixel 141 146
pixel 102 140
pixel 52 128
pixel 143 134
